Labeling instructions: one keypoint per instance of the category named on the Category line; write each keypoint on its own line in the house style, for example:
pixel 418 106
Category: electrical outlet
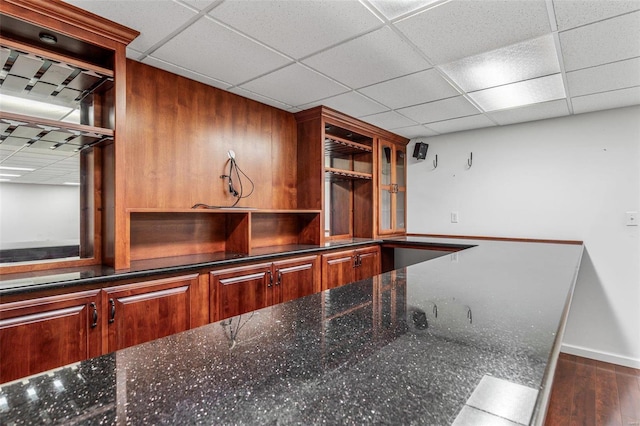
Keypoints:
pixel 632 218
pixel 454 217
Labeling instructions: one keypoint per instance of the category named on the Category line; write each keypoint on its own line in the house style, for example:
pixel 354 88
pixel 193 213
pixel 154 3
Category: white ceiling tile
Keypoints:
pixel 377 56
pixel 607 100
pixel 462 123
pixel 295 85
pixel 457 29
pixel 521 61
pixel 606 41
pixel 217 52
pixel 414 132
pixel 154 62
pixel 392 9
pixel 533 112
pixel 351 103
pixel 388 120
pixel 298 28
pixel 134 54
pixel 440 110
pixel 258 98
pixel 155 19
pixel 527 92
pixel 199 4
pixel 617 75
pixel 573 13
pixel 413 89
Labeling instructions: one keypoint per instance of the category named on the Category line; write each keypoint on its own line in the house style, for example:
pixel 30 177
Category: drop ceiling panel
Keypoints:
pixel 440 110
pixel 607 100
pixel 355 103
pixel 295 85
pixel 574 13
pixel 606 41
pixel 154 62
pixel 413 89
pixel 521 61
pixel 259 98
pixel 617 75
pixel 217 52
pixel 457 29
pixel 377 56
pixel 392 9
pixel 388 120
pixel 462 123
pixel 154 19
pixel 414 132
pixel 527 92
pixel 533 112
pixel 297 28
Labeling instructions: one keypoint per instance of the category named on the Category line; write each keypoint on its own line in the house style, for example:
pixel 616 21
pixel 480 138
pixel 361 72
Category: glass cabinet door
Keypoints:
pixel 392 188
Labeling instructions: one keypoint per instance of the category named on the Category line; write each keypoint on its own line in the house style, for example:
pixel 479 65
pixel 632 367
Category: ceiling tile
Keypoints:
pixel 607 100
pixel 462 123
pixel 377 56
pixel 533 112
pixel 154 62
pixel 134 54
pixel 351 103
pixel 414 132
pixel 294 85
pixel 573 13
pixel 457 29
pixel 440 110
pixel 298 28
pixel 199 4
pixel 155 19
pixel 392 9
pixel 527 92
pixel 606 41
pixel 618 75
pixel 521 61
pixel 258 98
pixel 217 52
pixel 388 120
pixel 413 89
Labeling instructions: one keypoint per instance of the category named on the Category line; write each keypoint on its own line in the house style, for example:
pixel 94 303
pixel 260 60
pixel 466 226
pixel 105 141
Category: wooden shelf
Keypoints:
pixel 335 145
pixel 346 174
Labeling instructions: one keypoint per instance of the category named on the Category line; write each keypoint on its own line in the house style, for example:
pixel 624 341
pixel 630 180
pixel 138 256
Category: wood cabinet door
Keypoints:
pixel 368 264
pixel 238 290
pixel 140 312
pixel 337 269
pixel 40 334
pixel 295 278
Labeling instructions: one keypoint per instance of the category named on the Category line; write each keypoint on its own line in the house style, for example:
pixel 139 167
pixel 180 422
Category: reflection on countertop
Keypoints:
pixel 424 344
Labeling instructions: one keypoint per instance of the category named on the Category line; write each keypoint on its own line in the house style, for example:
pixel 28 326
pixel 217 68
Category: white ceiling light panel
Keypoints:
pixel 518 62
pixel 533 91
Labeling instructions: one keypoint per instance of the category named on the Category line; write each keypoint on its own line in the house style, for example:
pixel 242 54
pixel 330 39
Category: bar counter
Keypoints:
pixel 468 337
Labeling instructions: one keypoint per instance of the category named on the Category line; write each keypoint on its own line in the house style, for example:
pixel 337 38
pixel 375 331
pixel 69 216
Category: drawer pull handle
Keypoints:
pixel 94 315
pixel 112 315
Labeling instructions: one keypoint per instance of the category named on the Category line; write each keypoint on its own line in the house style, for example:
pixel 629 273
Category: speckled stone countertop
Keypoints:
pixel 464 338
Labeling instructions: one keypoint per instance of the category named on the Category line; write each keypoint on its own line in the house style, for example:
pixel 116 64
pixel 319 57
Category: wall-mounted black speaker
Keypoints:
pixel 420 150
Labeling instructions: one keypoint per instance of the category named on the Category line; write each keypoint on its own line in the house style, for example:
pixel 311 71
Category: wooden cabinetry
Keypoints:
pixel 140 312
pixel 235 291
pixel 348 266
pixel 392 188
pixel 40 334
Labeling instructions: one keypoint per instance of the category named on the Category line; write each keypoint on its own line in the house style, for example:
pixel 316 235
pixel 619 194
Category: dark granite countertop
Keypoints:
pixel 447 341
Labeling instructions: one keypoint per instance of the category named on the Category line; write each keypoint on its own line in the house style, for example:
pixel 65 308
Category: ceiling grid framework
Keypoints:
pixel 388 62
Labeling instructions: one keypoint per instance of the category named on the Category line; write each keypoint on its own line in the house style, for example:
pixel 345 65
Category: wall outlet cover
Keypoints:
pixel 632 218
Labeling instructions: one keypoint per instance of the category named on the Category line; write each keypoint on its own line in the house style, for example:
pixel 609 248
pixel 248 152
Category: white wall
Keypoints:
pixel 39 215
pixel 566 178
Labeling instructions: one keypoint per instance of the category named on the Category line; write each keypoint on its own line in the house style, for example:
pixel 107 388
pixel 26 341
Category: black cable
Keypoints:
pixel 238 195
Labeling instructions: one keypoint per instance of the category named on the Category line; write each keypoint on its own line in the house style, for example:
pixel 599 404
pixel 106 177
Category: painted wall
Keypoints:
pixel 568 178
pixel 39 215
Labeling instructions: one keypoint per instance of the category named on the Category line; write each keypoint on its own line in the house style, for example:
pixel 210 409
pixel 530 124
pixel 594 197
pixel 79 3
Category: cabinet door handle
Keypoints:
pixel 94 315
pixel 359 261
pixel 112 314
pixel 279 278
pixel 270 282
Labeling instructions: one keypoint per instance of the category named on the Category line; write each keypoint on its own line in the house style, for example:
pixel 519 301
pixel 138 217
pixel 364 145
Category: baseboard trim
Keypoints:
pixel 512 239
pixel 600 356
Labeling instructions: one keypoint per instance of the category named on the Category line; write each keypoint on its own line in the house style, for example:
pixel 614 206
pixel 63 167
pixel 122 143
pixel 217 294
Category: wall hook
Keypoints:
pixel 470 160
pixel 469 315
pixel 435 162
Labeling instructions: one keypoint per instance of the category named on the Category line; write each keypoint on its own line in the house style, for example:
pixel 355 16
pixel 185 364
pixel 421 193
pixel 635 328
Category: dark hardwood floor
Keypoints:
pixel 587 392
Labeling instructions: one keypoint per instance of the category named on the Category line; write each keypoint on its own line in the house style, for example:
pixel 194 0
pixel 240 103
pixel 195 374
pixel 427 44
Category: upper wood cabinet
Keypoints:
pixel 392 188
pixel 57 54
pixel 337 171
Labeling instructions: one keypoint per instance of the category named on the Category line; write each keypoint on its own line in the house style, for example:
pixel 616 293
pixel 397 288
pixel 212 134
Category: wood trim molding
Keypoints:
pixel 521 240
pixel 65 13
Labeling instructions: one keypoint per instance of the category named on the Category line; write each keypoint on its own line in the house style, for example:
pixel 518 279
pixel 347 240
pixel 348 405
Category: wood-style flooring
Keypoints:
pixel 587 392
